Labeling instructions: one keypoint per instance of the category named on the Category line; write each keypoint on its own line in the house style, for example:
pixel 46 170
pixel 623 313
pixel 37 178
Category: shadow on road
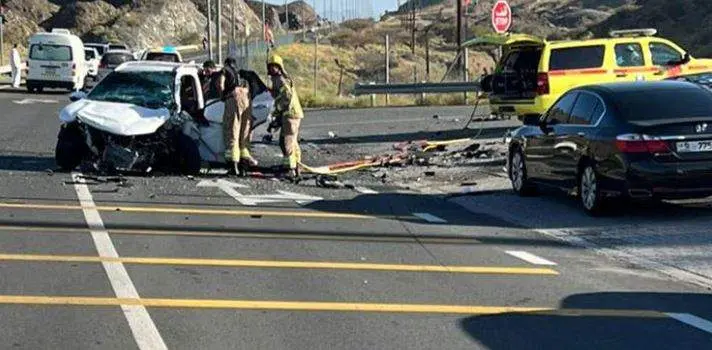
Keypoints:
pixel 588 329
pixel 27 163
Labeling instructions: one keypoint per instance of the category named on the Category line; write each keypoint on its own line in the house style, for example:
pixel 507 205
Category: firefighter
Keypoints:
pixel 288 115
pixel 237 119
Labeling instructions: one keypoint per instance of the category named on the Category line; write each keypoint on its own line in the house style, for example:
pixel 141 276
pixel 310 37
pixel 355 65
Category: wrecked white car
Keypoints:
pixel 148 116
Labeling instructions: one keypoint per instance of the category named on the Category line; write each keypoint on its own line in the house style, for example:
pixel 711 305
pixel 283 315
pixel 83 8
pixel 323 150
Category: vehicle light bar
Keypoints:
pixel 633 32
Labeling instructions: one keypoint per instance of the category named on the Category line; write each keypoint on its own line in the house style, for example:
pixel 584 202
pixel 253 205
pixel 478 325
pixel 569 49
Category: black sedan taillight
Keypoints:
pixel 641 143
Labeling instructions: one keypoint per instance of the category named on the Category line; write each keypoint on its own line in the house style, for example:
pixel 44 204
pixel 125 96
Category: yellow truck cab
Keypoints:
pixel 533 73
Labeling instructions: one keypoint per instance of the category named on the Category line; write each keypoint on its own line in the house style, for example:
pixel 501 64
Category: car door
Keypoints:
pixel 540 147
pixel 573 138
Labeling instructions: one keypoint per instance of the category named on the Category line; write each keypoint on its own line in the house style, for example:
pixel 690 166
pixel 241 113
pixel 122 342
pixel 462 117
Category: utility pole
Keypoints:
pixel 427 54
pixel 316 60
pixel 388 66
pixel 459 33
pixel 264 22
pixel 234 30
pixel 286 14
pixel 219 26
pixel 210 30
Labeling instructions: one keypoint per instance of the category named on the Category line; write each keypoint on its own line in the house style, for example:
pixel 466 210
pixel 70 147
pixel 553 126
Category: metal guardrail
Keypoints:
pixel 416 88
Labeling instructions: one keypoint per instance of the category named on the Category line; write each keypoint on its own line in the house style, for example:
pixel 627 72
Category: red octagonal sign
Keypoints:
pixel 501 16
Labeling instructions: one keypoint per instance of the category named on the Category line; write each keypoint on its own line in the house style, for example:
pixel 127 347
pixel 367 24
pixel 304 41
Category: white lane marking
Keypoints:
pixel 694 321
pixel 144 330
pixel 29 101
pixel 365 190
pixel 530 258
pixel 430 218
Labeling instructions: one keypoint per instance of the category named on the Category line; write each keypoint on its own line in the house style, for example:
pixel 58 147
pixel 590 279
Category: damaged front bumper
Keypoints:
pixel 115 153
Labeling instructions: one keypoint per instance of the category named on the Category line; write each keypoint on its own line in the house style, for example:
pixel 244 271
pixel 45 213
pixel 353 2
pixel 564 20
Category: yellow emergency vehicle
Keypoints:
pixel 533 73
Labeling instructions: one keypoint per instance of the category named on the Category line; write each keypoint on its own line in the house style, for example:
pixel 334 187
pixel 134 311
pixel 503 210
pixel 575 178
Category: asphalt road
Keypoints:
pixel 175 262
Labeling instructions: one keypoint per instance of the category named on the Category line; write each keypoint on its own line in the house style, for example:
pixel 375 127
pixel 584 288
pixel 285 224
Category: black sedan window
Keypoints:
pixel 583 112
pixel 560 112
pixel 664 104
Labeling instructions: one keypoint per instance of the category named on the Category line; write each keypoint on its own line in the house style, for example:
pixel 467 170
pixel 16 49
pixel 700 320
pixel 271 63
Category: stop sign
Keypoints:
pixel 501 16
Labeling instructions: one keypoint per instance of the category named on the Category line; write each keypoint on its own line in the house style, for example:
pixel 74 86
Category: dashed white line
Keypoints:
pixel 694 321
pixel 365 190
pixel 530 258
pixel 430 218
pixel 142 326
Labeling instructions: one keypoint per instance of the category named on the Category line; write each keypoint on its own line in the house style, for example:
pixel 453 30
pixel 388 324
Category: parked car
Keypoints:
pixel 636 140
pixel 116 46
pixel 56 60
pixel 113 59
pixel 533 73
pixel 100 48
pixel 164 54
pixel 92 59
pixel 150 115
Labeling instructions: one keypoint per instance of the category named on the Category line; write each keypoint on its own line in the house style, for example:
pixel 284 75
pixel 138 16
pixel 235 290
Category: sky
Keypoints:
pixel 379 6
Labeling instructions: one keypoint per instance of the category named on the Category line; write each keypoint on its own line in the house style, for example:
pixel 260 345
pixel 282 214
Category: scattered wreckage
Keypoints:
pixel 148 116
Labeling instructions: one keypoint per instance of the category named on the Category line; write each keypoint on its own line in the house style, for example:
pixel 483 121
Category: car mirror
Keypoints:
pixel 687 58
pixel 486 83
pixel 77 95
pixel 532 120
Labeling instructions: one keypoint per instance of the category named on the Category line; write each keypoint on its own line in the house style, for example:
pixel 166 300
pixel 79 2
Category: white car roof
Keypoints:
pixel 152 66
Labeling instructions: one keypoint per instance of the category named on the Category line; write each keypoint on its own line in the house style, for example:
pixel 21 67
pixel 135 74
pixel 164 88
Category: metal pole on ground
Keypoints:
pixel 210 30
pixel 219 30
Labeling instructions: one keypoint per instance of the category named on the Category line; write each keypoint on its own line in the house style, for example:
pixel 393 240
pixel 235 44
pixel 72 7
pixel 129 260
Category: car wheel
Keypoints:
pixel 590 191
pixel 71 149
pixel 518 174
pixel 189 162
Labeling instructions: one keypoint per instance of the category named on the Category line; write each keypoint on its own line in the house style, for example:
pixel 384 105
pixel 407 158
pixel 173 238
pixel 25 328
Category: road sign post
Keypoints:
pixel 501 16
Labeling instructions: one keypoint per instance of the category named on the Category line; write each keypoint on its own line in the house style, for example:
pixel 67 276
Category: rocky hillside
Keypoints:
pixel 139 23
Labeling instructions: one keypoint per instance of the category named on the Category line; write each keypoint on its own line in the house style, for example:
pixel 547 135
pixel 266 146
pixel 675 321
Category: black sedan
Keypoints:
pixel 639 140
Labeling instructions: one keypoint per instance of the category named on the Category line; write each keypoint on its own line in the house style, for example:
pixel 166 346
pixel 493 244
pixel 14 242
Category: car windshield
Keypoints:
pixel 160 56
pixel 116 58
pixel 702 78
pixel 43 52
pixel 99 48
pixel 146 89
pixel 662 104
pixel 89 54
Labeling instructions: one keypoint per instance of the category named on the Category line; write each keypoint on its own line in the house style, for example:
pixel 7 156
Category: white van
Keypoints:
pixel 56 60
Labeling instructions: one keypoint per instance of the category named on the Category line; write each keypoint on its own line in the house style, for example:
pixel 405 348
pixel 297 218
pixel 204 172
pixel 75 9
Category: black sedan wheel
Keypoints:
pixel 518 174
pixel 590 191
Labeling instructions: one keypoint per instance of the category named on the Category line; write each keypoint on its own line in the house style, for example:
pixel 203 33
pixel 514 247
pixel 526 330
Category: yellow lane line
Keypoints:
pixel 282 264
pixel 260 235
pixel 323 306
pixel 198 211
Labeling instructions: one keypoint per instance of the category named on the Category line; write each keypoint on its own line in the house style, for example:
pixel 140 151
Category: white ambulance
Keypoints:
pixel 56 60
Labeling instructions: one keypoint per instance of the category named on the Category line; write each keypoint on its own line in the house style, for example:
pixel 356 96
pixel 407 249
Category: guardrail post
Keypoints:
pixel 373 96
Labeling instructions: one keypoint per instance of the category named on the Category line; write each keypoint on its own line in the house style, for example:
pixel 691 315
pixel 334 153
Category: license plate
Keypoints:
pixel 694 146
pixel 52 73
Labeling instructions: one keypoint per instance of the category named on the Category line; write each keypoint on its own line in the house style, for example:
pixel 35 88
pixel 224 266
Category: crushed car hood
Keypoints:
pixel 116 118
